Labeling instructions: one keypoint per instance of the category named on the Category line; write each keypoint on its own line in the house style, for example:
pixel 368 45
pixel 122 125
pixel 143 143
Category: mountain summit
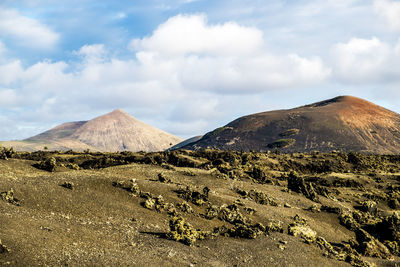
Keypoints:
pixel 118 131
pixel 342 123
pixel 114 131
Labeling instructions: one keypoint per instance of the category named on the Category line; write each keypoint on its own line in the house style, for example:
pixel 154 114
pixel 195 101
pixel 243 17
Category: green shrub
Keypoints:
pixel 49 164
pixel 184 232
pixel 8 196
pixel 6 153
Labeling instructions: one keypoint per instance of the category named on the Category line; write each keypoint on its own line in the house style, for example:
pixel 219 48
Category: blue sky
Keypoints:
pixel 189 66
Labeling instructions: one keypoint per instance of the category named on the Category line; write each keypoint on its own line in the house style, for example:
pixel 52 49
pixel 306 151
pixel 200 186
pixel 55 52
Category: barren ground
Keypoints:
pixel 103 221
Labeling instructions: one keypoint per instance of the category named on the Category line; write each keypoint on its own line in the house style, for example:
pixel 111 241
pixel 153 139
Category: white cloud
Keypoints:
pixel 245 75
pixel 206 106
pixel 390 11
pixel 93 53
pixel 27 31
pixel 8 97
pixel 397 48
pixel 184 34
pixel 317 7
pixel 10 72
pixel 35 82
pixel 177 73
pixel 364 60
pixel 92 50
pixel 226 58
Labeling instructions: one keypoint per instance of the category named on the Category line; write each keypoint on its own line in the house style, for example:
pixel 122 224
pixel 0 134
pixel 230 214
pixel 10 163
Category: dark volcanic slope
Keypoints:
pixel 186 142
pixel 343 123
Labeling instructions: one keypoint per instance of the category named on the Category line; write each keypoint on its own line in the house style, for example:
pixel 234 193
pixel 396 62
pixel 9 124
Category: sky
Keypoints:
pixel 190 66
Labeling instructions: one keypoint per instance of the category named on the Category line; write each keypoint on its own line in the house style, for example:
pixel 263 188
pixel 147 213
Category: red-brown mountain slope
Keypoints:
pixel 343 123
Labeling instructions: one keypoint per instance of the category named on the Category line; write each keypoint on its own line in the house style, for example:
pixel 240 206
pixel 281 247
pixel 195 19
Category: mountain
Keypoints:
pixel 186 142
pixel 344 123
pixel 115 131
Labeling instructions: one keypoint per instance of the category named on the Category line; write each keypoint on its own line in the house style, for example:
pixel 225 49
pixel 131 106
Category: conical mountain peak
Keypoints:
pixel 114 131
pixel 115 114
pixel 118 130
pixel 118 111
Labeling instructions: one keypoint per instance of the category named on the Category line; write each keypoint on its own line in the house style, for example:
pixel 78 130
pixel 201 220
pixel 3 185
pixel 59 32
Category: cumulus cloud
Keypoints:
pixel 26 31
pixel 184 34
pixel 389 11
pixel 178 73
pixel 366 60
pixel 361 58
pixel 227 58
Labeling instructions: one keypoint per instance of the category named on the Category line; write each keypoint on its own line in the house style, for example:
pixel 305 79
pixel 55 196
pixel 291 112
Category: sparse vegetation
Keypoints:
pixel 7 153
pixel 193 196
pixel 233 195
pixel 130 186
pixel 49 164
pixel 258 197
pixel 300 228
pixel 281 143
pixel 8 196
pixel 297 184
pixel 290 132
pixel 182 231
pixel 218 131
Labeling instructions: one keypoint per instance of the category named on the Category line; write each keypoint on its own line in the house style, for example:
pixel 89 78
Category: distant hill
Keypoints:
pixel 115 131
pixel 343 123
